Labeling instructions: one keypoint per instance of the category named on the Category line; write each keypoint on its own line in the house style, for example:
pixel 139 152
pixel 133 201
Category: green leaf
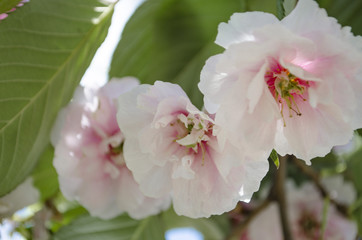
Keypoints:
pixel 326 203
pixel 354 169
pixel 45 49
pixel 6 5
pixel 275 158
pixel 120 228
pixel 45 178
pixel 359 131
pixel 348 12
pixel 213 228
pixel 289 5
pixel 280 9
pixel 66 217
pixel 262 5
pixel 170 40
pixel 357 214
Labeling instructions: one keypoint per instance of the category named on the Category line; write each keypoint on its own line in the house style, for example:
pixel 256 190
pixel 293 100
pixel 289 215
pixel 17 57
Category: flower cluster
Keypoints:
pixel 291 85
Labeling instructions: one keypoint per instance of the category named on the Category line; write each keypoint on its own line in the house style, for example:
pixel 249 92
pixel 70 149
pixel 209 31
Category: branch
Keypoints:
pixel 280 196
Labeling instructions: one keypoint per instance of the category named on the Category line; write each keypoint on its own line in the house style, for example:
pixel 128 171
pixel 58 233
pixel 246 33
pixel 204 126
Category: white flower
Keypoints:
pixel 88 155
pixel 171 146
pixel 292 85
pixel 23 195
pixel 305 212
pixel 339 190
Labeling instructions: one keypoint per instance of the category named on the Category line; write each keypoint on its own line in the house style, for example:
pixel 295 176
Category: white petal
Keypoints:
pixel 116 86
pixel 256 87
pixel 137 161
pixel 130 118
pixel 156 182
pixel 307 18
pixel 182 168
pixel 314 133
pixel 241 26
pixel 340 191
pixel 132 200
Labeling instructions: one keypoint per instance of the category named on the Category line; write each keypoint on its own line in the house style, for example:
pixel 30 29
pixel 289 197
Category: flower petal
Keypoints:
pixel 241 26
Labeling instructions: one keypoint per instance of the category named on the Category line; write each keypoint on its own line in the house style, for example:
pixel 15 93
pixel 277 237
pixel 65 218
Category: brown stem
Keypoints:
pixel 314 176
pixel 280 197
pixel 236 233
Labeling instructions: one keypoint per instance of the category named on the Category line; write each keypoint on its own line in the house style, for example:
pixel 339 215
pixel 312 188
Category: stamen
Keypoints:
pixel 193 135
pixel 203 153
pixel 281 112
pixel 302 98
pixel 296 106
pixel 285 86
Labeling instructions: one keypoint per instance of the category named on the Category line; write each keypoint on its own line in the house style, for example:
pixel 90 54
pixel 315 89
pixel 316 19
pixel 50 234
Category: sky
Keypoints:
pixel 97 72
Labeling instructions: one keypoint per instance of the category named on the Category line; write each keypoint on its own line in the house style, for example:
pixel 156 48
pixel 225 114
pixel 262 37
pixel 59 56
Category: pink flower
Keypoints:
pixel 292 85
pixel 305 218
pixel 171 146
pixel 89 159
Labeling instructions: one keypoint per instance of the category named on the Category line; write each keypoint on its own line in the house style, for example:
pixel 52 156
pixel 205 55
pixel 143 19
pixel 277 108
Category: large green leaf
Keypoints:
pixel 170 40
pixel 121 228
pixel 46 46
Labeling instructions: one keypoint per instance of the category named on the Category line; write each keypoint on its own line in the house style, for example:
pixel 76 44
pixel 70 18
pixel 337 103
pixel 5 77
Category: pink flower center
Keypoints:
pixel 193 132
pixel 115 150
pixel 286 88
pixel 309 226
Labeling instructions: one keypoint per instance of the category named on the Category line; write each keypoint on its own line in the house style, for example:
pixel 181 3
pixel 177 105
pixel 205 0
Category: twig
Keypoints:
pixel 280 197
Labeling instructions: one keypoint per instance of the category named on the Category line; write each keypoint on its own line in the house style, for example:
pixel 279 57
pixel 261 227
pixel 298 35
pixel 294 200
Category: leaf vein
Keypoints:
pixel 14 99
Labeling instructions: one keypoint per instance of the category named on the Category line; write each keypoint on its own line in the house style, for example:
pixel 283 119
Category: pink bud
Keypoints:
pixel 11 10
pixel 3 16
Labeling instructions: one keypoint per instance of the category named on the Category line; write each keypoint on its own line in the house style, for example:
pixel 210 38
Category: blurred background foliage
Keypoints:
pixel 47 45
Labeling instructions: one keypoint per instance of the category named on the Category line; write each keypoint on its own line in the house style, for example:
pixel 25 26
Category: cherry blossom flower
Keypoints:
pixel 89 159
pixel 305 218
pixel 339 190
pixel 23 195
pixel 171 146
pixel 292 85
